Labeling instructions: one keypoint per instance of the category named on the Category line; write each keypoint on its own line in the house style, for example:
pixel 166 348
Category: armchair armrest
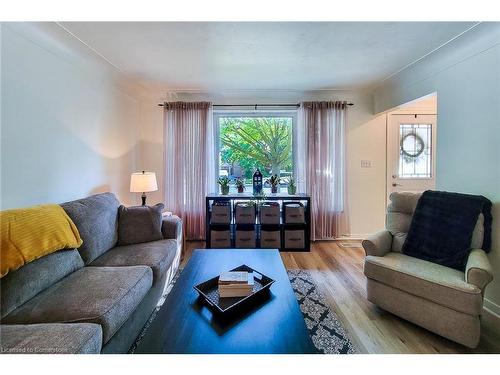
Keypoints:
pixel 378 244
pixel 478 270
pixel 171 227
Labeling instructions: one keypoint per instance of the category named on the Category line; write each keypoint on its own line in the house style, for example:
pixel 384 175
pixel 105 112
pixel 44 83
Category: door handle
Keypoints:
pixel 395 184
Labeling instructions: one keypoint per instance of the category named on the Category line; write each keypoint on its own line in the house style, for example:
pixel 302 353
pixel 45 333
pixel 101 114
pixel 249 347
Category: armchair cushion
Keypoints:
pixel 398 239
pixel 442 285
pixel 478 233
pixel 442 226
pixel 399 216
pixel 478 270
pixel 378 244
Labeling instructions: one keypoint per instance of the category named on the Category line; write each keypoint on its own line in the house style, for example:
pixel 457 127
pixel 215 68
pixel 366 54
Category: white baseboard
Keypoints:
pixel 353 236
pixel 492 308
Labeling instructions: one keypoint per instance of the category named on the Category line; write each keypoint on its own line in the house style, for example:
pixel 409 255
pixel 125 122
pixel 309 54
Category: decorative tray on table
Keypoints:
pixel 209 291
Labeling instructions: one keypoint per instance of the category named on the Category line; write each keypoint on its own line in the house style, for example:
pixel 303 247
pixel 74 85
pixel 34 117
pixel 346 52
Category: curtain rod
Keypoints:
pixel 257 105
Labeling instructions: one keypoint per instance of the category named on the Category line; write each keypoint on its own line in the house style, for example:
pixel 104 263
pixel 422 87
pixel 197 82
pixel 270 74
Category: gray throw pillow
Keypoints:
pixel 139 224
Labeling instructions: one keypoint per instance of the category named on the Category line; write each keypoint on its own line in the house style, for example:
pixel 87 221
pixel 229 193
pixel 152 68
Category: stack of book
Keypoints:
pixel 235 284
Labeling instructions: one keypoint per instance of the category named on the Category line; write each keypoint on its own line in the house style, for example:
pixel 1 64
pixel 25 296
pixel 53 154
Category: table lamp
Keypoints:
pixel 143 182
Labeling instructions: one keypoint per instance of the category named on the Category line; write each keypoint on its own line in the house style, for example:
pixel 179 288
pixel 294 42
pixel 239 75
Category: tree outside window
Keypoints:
pixel 248 143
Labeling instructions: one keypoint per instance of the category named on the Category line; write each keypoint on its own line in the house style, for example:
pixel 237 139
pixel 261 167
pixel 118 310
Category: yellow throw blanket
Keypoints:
pixel 30 233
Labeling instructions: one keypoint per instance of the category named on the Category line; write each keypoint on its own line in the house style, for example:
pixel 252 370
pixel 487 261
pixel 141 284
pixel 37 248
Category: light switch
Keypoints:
pixel 366 163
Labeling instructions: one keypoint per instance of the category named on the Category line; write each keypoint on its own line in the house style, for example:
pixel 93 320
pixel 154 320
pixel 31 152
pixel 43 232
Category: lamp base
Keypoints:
pixel 143 197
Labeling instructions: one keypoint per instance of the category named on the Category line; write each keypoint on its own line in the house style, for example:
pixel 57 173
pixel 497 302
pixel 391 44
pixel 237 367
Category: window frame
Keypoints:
pixel 217 114
pixel 431 173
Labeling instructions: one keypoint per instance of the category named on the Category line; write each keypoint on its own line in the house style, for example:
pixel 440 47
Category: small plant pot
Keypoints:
pixel 292 190
pixel 241 189
pixel 224 190
pixel 274 189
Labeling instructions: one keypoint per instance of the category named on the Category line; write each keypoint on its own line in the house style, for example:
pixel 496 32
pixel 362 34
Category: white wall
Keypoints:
pixel 365 137
pixel 68 121
pixel 466 76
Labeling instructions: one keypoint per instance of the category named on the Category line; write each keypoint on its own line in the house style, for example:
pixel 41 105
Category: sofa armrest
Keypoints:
pixel 171 227
pixel 378 244
pixel 478 270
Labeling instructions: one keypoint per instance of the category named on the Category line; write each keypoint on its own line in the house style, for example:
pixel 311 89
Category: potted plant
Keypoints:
pixel 240 184
pixel 224 185
pixel 274 180
pixel 259 199
pixel 292 185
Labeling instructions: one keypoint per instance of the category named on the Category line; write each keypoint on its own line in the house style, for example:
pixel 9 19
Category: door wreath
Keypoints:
pixel 413 154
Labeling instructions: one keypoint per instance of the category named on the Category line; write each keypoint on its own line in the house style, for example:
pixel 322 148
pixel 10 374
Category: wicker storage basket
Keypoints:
pixel 270 213
pixel 220 238
pixel 270 238
pixel 245 238
pixel 245 213
pixel 294 238
pixel 221 213
pixel 294 213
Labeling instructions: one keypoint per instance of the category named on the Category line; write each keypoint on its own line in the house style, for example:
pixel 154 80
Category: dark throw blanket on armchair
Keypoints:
pixel 442 226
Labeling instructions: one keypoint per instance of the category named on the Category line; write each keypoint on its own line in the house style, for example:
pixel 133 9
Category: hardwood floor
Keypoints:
pixel 338 272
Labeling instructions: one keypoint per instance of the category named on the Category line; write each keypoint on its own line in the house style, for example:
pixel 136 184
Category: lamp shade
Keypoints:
pixel 141 182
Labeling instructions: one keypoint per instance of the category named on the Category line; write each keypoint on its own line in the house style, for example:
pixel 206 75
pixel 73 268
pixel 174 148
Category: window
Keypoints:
pixel 415 150
pixel 251 140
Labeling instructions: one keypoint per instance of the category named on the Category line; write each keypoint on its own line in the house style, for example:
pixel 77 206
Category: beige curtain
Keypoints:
pixel 189 157
pixel 320 166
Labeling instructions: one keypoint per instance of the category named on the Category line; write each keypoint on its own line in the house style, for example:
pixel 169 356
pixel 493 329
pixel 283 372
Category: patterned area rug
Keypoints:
pixel 327 334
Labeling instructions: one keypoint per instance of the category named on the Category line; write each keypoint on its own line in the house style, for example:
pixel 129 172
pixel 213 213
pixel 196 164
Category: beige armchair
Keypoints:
pixel 440 299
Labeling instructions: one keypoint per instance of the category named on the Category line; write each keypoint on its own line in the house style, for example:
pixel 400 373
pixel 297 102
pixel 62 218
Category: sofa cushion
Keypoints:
pixel 96 218
pixel 52 338
pixel 23 284
pixel 440 284
pixel 158 255
pixel 103 295
pixel 171 227
pixel 139 224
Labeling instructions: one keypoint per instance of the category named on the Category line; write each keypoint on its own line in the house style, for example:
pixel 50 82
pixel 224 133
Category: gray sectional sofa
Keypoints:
pixel 93 299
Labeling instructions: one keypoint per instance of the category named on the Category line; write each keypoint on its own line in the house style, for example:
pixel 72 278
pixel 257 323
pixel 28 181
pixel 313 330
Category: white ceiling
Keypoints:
pixel 263 56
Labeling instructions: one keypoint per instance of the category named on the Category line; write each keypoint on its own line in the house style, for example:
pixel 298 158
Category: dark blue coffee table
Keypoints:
pixel 185 324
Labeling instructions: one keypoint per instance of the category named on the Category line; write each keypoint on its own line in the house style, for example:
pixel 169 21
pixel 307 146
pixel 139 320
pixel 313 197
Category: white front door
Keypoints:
pixel 411 153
